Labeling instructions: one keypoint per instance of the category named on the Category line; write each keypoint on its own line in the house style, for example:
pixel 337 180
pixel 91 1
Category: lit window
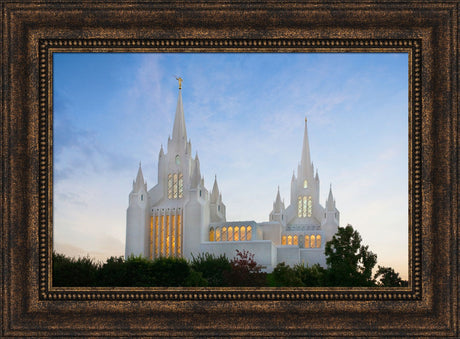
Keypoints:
pixel 170 185
pixel 236 233
pixel 243 233
pixel 211 234
pixel 304 207
pixel 162 235
pixel 312 241
pixel 290 240
pixel 224 234
pixel 249 233
pixel 173 236
pixel 283 240
pixel 305 183
pixel 181 186
pixel 296 240
pixel 179 235
pixel 168 238
pixel 318 241
pixel 309 206
pixel 230 234
pixel 151 239
pixel 299 207
pixel 307 241
pixel 217 234
pixel 175 186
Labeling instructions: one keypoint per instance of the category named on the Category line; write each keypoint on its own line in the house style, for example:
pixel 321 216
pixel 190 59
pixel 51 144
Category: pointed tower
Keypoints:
pixel 305 206
pixel 278 212
pixel 216 206
pixel 331 218
pixel 137 218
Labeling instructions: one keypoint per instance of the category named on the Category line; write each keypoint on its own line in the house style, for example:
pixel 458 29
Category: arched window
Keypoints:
pixel 296 240
pixel 318 241
pixel 289 239
pixel 312 241
pixel 307 241
pixel 299 207
pixel 175 186
pixel 224 234
pixel 283 240
pixel 181 186
pixel 305 183
pixel 236 233
pixel 309 206
pixel 170 186
pixel 249 233
pixel 211 234
pixel 230 234
pixel 243 233
pixel 304 207
pixel 217 234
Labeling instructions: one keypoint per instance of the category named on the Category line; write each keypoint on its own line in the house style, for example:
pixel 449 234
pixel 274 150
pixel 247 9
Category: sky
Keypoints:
pixel 245 115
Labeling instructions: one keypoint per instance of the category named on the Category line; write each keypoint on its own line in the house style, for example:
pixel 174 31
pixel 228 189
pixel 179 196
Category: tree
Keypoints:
pixel 114 272
pixel 245 271
pixel 74 272
pixel 388 277
pixel 284 275
pixel 349 262
pixel 213 268
pixel 311 276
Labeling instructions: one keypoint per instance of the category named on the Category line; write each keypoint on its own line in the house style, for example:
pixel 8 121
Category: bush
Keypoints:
pixel 284 275
pixel 74 272
pixel 245 271
pixel 114 273
pixel 212 268
pixel 310 276
pixel 169 271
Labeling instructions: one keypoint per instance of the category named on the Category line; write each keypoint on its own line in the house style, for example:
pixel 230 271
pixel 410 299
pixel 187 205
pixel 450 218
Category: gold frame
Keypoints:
pixel 33 30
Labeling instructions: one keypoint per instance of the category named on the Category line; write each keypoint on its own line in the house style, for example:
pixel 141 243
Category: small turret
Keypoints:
pixel 196 173
pixel 331 218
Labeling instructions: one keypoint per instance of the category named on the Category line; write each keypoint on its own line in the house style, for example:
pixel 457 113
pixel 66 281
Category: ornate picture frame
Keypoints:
pixel 33 30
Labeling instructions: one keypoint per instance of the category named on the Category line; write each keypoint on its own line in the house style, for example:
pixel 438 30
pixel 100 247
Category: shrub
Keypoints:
pixel 74 272
pixel 114 273
pixel 212 268
pixel 310 276
pixel 284 275
pixel 245 271
pixel 169 271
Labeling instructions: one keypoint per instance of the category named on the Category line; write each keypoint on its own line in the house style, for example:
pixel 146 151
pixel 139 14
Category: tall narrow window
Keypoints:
pixel 249 233
pixel 224 234
pixel 299 207
pixel 243 233
pixel 179 234
pixel 283 240
pixel 170 186
pixel 305 183
pixel 181 186
pixel 296 240
pixel 318 241
pixel 289 239
pixel 218 234
pixel 230 234
pixel 236 233
pixel 162 235
pixel 211 234
pixel 307 241
pixel 173 235
pixel 304 207
pixel 157 238
pixel 151 239
pixel 168 238
pixel 175 186
pixel 312 241
pixel 309 206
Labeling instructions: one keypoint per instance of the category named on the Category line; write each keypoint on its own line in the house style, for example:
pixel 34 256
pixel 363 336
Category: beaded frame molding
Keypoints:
pixel 33 30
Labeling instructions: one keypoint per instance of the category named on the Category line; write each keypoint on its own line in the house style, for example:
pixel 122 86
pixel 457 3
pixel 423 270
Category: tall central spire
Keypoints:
pixel 305 163
pixel 179 133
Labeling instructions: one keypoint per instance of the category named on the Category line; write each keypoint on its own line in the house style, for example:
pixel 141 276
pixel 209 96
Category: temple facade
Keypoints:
pixel 179 217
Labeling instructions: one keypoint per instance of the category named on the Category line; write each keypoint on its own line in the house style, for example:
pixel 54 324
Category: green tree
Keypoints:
pixel 284 275
pixel 114 272
pixel 387 277
pixel 170 271
pixel 213 268
pixel 311 276
pixel 74 272
pixel 349 263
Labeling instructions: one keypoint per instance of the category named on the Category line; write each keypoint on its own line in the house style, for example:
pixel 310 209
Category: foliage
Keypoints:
pixel 74 272
pixel 388 277
pixel 213 268
pixel 114 272
pixel 245 271
pixel 310 276
pixel 169 271
pixel 284 275
pixel 349 262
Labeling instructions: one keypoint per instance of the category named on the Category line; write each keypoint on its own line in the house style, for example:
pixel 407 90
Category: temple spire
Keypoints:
pixel 139 179
pixel 179 133
pixel 305 163
pixel 330 203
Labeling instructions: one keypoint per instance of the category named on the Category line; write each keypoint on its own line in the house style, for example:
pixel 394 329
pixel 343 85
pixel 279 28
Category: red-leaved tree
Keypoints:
pixel 245 271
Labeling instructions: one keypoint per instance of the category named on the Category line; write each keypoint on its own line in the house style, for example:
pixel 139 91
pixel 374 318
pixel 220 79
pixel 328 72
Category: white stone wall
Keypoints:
pixel 288 254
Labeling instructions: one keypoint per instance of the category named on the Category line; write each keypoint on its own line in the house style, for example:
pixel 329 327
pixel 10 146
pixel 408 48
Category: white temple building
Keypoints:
pixel 179 217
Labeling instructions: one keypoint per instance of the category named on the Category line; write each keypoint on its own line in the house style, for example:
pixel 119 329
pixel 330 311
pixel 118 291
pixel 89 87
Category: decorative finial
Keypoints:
pixel 180 81
pixel 139 163
pixel 305 119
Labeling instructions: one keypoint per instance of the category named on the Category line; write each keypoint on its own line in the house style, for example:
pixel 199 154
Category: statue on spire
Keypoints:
pixel 180 81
